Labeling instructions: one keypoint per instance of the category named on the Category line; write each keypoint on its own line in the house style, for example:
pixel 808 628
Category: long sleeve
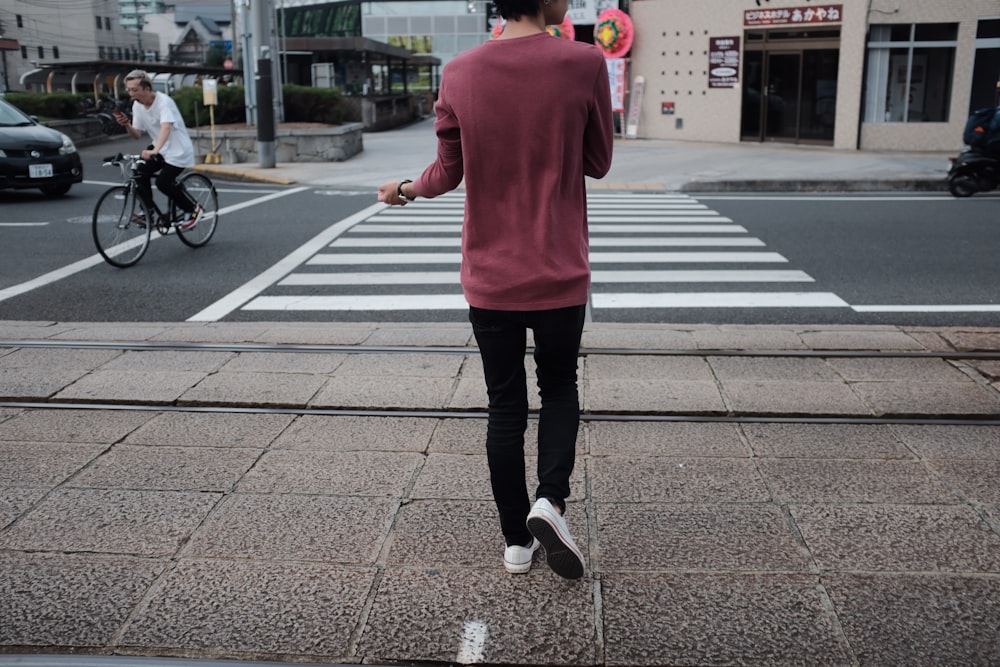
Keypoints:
pixel 598 138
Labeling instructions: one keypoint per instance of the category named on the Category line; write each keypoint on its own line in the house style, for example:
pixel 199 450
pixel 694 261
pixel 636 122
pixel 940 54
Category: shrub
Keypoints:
pixel 58 105
pixel 230 107
pixel 304 104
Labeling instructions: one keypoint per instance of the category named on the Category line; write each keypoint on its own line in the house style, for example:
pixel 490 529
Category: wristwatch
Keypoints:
pixel 399 190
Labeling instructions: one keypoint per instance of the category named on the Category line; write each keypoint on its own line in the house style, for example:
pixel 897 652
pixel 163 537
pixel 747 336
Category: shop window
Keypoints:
pixel 910 72
pixel 986 71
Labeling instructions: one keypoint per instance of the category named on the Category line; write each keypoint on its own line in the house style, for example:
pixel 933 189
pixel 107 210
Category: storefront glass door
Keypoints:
pixel 789 95
pixel 781 96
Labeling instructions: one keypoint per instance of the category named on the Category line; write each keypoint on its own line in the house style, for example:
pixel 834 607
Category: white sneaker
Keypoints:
pixel 191 219
pixel 549 527
pixel 517 559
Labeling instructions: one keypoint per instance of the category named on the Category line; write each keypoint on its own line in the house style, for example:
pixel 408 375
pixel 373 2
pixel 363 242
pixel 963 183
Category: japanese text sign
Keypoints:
pixel 794 15
pixel 723 62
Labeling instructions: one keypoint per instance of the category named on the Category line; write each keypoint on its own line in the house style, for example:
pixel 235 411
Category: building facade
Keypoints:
pixel 867 74
pixel 47 33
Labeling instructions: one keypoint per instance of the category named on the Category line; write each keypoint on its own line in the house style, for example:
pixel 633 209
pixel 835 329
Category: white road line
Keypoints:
pixel 23 224
pixel 473 643
pixel 357 258
pixel 243 191
pixel 258 284
pixel 720 300
pixel 958 308
pixel 599 277
pixel 363 302
pixel 766 197
pixel 603 241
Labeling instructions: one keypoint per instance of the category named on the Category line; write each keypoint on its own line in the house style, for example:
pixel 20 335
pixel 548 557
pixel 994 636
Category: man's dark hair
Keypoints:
pixel 512 10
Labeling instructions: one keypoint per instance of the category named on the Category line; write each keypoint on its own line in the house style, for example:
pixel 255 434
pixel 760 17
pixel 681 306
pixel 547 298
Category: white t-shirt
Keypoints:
pixel 178 151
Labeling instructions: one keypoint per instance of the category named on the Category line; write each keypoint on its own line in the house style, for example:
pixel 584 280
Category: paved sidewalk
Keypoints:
pixel 642 164
pixel 736 496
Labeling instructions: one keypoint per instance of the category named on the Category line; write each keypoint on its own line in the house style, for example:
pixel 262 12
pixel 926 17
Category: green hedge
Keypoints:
pixel 48 105
pixel 303 104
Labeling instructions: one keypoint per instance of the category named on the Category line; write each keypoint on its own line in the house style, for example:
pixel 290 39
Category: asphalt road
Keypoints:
pixel 300 253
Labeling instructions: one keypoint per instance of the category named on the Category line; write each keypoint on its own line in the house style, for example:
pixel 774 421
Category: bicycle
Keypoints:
pixel 123 225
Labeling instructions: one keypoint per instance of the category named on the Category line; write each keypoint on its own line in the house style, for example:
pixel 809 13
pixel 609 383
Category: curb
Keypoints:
pixel 242 175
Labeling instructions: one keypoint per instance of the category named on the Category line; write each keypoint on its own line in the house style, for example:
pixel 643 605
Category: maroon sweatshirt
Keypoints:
pixel 523 120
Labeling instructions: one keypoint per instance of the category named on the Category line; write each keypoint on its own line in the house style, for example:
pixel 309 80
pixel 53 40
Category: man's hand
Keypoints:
pixel 388 193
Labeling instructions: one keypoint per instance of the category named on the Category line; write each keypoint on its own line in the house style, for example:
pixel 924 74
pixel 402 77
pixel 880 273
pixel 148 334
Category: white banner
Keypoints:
pixel 616 76
pixel 634 107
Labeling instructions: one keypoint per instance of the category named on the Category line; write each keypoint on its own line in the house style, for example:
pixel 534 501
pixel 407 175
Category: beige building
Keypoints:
pixel 852 74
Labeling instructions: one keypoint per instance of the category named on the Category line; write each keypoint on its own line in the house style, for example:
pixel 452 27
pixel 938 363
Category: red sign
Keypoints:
pixel 667 108
pixel 723 62
pixel 794 15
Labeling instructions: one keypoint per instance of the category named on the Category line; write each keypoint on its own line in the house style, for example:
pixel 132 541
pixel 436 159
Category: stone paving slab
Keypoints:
pixel 390 552
pixel 253 608
pixel 918 619
pixel 368 539
pixel 123 522
pixel 718 619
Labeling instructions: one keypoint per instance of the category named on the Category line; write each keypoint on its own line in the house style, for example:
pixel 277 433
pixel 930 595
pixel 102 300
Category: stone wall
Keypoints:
pixel 327 144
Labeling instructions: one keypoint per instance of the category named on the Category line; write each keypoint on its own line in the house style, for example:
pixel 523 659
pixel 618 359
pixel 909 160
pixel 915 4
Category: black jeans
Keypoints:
pixel 502 339
pixel 166 182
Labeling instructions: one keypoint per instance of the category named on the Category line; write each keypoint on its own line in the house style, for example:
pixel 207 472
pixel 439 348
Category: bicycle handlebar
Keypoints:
pixel 116 160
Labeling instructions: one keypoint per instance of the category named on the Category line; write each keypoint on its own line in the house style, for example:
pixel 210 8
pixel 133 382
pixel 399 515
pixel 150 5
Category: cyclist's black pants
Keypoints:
pixel 166 182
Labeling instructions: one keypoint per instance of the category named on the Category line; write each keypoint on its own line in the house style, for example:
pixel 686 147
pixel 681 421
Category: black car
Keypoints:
pixel 35 156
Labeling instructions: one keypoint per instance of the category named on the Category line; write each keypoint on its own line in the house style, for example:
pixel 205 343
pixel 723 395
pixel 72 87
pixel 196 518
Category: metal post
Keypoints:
pixel 249 92
pixel 265 112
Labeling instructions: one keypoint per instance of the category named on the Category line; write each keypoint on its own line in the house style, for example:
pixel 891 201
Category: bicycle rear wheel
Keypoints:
pixel 121 227
pixel 203 193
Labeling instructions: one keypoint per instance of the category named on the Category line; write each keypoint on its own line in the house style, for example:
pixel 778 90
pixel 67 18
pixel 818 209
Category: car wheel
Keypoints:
pixel 55 190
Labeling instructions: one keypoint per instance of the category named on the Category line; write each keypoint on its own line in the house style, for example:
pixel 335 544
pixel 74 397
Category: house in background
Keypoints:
pixel 195 33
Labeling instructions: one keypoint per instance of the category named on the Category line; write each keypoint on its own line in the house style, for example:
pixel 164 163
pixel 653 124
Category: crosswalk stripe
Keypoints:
pixel 595 258
pixel 457 301
pixel 599 277
pixel 708 228
pixel 365 302
pixel 720 300
pixel 454 241
pixel 659 216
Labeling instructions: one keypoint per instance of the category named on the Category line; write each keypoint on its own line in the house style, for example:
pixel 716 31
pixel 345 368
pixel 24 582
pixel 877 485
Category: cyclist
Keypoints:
pixel 171 151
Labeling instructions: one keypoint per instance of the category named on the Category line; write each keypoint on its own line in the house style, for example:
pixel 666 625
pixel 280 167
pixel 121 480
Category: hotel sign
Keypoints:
pixel 794 16
pixel 723 62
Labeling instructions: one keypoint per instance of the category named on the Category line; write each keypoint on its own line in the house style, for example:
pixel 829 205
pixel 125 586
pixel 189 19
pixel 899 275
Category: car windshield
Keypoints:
pixel 12 117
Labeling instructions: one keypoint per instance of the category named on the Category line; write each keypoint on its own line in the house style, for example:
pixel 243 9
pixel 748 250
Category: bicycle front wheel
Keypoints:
pixel 121 227
pixel 203 193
